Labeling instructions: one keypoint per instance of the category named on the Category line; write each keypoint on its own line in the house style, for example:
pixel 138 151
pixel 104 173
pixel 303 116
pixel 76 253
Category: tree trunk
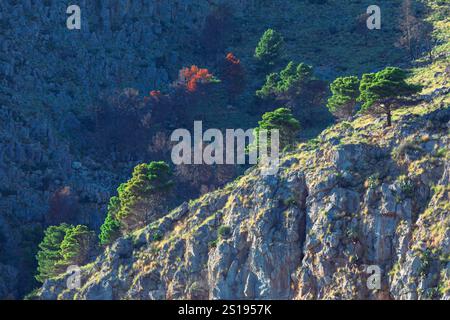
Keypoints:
pixel 389 117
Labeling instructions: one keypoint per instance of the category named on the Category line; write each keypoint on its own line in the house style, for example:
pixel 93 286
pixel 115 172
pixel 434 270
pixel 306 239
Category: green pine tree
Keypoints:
pixel 139 199
pixel 381 92
pixel 282 120
pixel 345 92
pixel 269 48
pixel 76 245
pixel 110 229
pixel 49 254
pixel 62 246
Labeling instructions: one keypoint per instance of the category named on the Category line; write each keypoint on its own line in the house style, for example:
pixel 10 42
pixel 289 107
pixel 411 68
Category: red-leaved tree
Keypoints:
pixel 161 109
pixel 155 94
pixel 233 75
pixel 190 78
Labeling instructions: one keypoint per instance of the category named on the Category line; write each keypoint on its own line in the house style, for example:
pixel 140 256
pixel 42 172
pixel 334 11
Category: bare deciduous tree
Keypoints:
pixel 415 32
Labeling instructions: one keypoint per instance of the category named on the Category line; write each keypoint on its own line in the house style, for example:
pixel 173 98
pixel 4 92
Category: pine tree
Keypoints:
pixel 49 254
pixel 294 87
pixel 110 229
pixel 282 120
pixel 63 246
pixel 382 91
pixel 76 245
pixel 289 84
pixel 142 197
pixel 269 49
pixel 345 92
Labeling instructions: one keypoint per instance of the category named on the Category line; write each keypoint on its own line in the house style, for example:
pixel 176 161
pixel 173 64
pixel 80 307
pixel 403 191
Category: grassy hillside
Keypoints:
pixel 435 73
pixel 329 36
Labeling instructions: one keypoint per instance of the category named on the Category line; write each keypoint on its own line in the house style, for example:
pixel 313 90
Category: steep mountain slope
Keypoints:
pixel 360 195
pixel 51 77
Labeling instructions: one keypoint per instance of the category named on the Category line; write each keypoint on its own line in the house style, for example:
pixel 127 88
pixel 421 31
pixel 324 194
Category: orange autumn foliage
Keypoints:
pixel 232 59
pixel 155 93
pixel 233 74
pixel 232 68
pixel 191 77
pixel 153 96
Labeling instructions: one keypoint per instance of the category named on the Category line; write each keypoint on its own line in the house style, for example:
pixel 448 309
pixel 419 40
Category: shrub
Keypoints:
pixel 33 295
pixel 269 49
pixel 352 233
pixel 406 185
pixel 156 235
pixel 405 147
pixel 224 232
pixel 441 153
pixel 373 181
pixel 291 201
pixel 213 243
pixel 197 292
pixel 426 257
pixel 345 92
pixel 425 138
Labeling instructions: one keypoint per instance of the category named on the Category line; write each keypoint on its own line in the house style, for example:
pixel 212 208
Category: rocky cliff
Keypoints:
pixel 359 195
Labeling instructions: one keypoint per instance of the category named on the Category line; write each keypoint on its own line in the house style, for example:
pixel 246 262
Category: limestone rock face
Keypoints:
pixel 319 229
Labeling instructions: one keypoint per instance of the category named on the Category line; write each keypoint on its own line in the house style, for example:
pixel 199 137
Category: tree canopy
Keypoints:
pixel 62 246
pixel 269 48
pixel 381 91
pixel 138 199
pixel 283 120
pixel 345 92
pixel 287 84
